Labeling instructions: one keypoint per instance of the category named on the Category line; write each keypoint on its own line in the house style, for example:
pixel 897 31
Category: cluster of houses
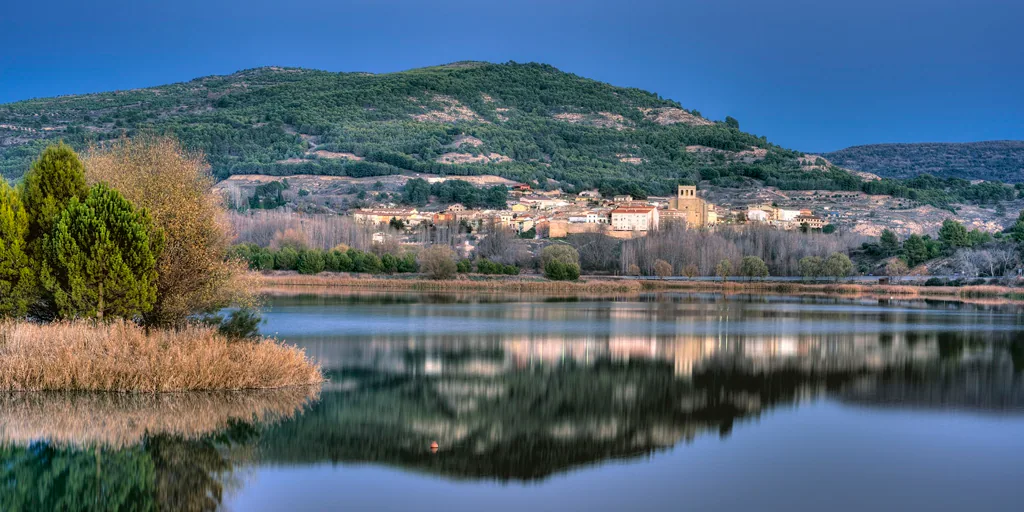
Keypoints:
pixel 553 214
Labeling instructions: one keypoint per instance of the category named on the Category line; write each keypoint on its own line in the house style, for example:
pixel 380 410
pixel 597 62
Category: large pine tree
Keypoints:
pixel 50 184
pixel 100 259
pixel 17 280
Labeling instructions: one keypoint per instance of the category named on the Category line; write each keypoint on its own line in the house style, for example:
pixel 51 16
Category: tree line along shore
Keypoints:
pixel 113 270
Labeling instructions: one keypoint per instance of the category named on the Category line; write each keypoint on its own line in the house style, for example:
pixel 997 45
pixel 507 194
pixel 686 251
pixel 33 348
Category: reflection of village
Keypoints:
pixel 686 353
pixel 552 214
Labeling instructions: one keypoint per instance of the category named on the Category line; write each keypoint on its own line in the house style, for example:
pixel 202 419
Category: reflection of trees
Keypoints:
pixel 526 425
pixel 129 452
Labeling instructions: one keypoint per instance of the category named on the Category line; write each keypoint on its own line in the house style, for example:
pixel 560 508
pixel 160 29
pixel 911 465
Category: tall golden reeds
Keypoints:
pixel 122 357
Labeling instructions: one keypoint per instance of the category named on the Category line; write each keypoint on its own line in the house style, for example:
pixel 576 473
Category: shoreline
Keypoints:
pixel 284 283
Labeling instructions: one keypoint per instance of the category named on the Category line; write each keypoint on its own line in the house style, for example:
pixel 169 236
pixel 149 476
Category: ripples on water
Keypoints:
pixel 695 396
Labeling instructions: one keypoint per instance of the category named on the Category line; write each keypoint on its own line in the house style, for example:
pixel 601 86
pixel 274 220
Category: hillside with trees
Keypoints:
pixel 998 160
pixel 528 122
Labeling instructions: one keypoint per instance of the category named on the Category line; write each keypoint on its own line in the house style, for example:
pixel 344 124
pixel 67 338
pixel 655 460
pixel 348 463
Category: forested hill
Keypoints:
pixel 528 122
pixel 1000 160
pixel 523 121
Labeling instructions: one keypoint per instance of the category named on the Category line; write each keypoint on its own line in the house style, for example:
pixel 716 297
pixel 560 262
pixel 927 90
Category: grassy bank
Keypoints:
pixel 595 285
pixel 121 356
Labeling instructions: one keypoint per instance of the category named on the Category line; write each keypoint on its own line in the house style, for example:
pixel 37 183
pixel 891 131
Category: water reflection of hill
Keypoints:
pixel 501 408
pixel 496 416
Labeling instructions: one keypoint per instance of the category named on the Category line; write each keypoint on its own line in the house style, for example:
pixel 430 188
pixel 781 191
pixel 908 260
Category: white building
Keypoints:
pixel 635 218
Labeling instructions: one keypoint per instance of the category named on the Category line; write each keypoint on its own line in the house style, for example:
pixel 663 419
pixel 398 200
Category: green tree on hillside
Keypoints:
pixel 100 260
pixel 953 235
pixel 51 183
pixel 17 279
pixel 915 250
pixel 889 242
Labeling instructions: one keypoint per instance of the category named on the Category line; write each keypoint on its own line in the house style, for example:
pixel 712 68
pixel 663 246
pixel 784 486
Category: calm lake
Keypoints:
pixel 656 402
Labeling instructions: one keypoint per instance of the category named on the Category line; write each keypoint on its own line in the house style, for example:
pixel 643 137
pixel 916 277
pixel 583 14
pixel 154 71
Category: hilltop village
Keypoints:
pixel 554 214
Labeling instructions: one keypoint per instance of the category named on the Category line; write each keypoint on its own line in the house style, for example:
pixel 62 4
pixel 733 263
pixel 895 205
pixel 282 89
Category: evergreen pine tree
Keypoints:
pixel 100 259
pixel 17 279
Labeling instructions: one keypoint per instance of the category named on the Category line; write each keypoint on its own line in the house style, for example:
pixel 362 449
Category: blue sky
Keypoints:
pixel 814 75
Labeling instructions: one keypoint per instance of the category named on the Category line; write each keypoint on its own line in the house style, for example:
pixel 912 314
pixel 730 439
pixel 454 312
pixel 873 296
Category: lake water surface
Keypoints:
pixel 660 402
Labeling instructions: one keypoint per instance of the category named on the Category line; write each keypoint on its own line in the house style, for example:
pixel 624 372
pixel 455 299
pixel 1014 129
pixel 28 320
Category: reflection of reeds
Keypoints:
pixel 121 356
pixel 119 420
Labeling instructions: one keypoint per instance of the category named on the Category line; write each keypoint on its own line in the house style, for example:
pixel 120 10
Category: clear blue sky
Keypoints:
pixel 813 75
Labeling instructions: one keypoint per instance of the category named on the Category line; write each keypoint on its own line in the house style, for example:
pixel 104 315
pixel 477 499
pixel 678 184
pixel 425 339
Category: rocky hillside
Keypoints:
pixel 1001 160
pixel 529 122
pixel 526 122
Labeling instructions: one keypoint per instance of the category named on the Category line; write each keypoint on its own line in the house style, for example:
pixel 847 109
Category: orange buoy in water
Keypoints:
pixel 433 447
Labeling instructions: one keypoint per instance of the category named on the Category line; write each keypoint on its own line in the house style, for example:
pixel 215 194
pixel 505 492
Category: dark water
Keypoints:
pixel 665 402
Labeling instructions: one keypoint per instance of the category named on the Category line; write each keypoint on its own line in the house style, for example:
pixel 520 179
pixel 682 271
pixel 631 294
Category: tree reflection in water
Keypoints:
pixel 492 421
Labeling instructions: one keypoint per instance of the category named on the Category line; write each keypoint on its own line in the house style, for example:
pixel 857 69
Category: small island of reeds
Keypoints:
pixel 113 269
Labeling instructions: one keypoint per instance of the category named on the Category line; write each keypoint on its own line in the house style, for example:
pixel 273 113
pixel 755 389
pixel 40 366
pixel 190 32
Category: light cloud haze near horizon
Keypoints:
pixel 810 75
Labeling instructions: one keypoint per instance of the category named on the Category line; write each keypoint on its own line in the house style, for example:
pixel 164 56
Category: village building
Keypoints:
pixel 625 198
pixel 384 215
pixel 634 218
pixel 690 208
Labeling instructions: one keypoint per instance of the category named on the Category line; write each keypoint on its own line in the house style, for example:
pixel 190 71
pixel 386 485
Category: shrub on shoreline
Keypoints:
pixel 120 356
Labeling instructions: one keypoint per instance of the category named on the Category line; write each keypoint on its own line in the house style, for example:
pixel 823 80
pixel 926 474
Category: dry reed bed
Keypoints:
pixel 490 284
pixel 122 357
pixel 117 420
pixel 280 282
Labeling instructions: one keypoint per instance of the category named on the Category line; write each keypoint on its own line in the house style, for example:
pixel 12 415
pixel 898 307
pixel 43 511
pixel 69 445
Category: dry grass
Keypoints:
pixel 123 419
pixel 121 357
pixel 289 283
pixel 511 284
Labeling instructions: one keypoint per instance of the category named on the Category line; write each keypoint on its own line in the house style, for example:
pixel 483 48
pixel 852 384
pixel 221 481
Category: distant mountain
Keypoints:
pixel 999 160
pixel 521 121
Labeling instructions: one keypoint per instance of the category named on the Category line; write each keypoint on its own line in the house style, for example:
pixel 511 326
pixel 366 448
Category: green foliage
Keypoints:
pixel 464 266
pixel 1016 231
pixel 889 243
pixel 286 259
pixel 953 235
pixel 837 265
pixel 461 191
pixel 915 251
pixel 310 261
pixel 17 278
pixel 416 192
pixel 485 266
pixel 54 179
pixel 564 253
pixel 240 324
pixel 828 229
pixel 268 196
pixel 811 267
pixel 558 270
pixel 723 269
pixel 731 122
pixel 529 234
pixel 753 267
pixel 100 259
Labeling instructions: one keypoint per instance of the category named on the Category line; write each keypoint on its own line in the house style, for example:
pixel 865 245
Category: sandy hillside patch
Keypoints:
pixel 600 120
pixel 671 115
pixel 629 159
pixel 335 155
pixel 463 158
pixel 466 140
pixel 451 111
pixel 810 163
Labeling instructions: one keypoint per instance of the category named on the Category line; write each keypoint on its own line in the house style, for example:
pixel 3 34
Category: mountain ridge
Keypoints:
pixel 990 160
